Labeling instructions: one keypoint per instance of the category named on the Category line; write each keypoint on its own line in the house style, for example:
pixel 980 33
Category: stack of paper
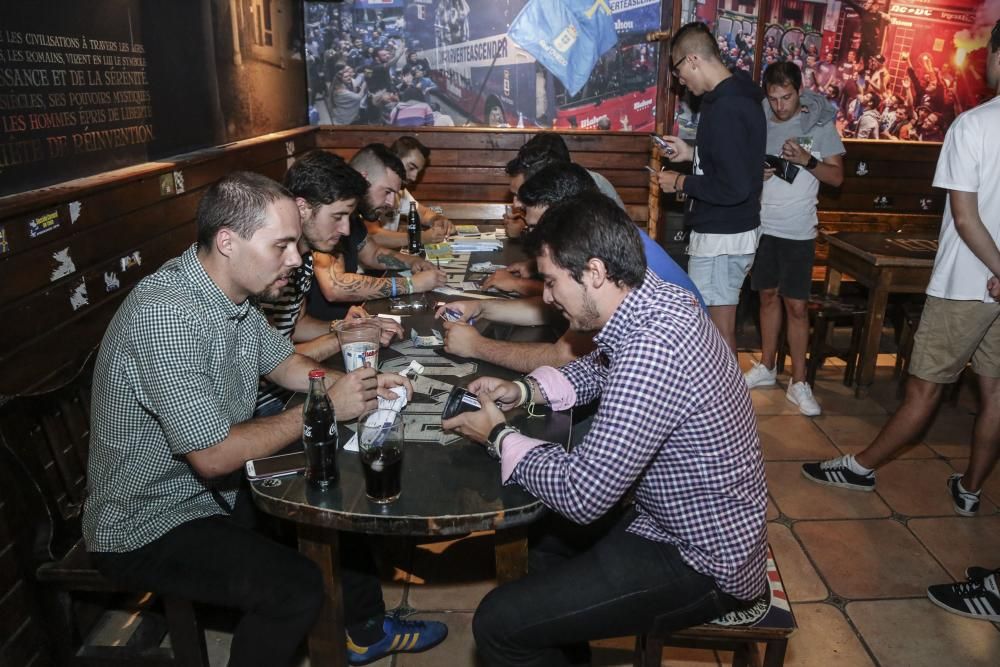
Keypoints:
pixel 486 242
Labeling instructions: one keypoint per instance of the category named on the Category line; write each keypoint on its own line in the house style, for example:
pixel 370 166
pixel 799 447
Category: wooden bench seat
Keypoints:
pixel 44 443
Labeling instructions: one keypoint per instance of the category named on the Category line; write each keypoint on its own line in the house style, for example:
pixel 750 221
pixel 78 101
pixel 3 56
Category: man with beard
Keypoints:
pixel 675 431
pixel 172 407
pixel 337 281
pixel 326 193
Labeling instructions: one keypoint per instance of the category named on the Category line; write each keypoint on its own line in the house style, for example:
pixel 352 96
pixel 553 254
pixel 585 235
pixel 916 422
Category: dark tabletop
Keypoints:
pixel 447 489
pixel 922 247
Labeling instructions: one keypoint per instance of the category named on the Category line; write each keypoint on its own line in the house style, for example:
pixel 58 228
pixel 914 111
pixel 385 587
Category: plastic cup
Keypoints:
pixel 380 442
pixel 359 343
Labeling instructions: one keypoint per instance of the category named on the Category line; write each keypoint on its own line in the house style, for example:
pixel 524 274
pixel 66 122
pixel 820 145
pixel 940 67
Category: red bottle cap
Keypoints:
pixel 317 373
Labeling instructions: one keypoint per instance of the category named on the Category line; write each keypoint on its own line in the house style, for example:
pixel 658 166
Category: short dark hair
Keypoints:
pixel 377 155
pixel 591 226
pixel 695 37
pixel 785 73
pixel 407 144
pixel 555 183
pixel 540 151
pixel 412 94
pixel 322 178
pixel 239 202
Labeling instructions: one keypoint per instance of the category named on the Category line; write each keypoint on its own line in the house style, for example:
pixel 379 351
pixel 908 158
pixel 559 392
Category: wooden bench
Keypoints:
pixel 772 628
pixel 44 443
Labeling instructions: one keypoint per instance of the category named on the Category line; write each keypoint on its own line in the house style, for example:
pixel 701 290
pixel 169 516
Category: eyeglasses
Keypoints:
pixel 675 70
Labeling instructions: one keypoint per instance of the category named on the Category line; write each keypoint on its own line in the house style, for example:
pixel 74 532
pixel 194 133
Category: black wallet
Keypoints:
pixel 783 169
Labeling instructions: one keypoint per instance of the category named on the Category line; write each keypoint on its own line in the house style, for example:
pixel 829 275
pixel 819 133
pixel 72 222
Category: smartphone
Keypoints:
pixel 281 465
pixel 662 143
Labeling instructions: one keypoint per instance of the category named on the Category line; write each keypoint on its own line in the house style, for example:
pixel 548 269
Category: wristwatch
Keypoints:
pixel 811 164
pixel 496 436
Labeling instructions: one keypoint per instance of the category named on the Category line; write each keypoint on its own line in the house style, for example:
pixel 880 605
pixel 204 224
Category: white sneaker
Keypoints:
pixel 759 376
pixel 800 393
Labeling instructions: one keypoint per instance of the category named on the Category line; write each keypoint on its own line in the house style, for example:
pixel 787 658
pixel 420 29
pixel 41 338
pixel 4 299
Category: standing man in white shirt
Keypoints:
pixel 801 130
pixel 961 319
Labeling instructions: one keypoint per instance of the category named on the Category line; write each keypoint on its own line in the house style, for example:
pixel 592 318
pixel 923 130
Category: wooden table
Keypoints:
pixel 885 264
pixel 447 489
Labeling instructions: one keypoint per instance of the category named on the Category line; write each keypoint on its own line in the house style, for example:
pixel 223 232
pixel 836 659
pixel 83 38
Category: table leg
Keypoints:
pixel 878 297
pixel 327 644
pixel 511 554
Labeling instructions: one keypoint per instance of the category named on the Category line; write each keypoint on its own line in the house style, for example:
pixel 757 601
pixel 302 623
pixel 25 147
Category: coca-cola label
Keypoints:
pixel 307 431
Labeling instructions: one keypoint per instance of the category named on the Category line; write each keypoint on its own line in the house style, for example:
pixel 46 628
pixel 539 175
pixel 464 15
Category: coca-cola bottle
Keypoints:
pixel 319 433
pixel 413 230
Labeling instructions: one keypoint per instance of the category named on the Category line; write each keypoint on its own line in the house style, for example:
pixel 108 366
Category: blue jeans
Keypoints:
pixel 587 583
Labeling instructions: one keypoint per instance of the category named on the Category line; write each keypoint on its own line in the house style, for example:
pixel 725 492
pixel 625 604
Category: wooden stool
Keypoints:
pixel 823 312
pixel 44 442
pixel 773 629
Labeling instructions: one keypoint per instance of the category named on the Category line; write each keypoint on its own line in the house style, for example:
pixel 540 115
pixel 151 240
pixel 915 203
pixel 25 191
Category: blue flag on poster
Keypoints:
pixel 565 36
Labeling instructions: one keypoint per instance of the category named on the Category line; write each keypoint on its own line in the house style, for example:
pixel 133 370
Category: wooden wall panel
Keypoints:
pixel 100 224
pixel 466 164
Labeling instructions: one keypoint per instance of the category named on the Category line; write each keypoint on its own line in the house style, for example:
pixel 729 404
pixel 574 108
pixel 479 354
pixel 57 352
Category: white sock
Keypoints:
pixel 962 489
pixel 856 467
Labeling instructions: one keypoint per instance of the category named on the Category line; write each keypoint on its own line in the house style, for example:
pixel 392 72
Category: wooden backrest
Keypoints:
pixel 467 164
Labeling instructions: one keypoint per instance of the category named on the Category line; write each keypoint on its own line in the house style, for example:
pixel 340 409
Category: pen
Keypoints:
pixel 437 260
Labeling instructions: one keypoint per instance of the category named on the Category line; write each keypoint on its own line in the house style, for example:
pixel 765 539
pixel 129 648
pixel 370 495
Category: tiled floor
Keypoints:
pixel 855 565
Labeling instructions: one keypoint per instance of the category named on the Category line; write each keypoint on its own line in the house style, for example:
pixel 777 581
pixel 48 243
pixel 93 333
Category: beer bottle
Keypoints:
pixel 413 230
pixel 319 433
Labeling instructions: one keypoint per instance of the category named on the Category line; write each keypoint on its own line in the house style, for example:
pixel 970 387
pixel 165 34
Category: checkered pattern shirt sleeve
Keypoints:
pixel 178 366
pixel 675 424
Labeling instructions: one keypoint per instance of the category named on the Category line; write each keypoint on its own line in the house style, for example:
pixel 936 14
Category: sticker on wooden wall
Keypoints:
pixel 64 265
pixel 166 184
pixel 74 211
pixel 130 261
pixel 862 169
pixel 179 182
pixel 926 203
pixel 290 147
pixel 882 201
pixel 111 282
pixel 43 224
pixel 4 245
pixel 78 299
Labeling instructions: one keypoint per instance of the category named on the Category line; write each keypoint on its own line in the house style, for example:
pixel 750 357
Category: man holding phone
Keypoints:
pixel 723 190
pixel 801 130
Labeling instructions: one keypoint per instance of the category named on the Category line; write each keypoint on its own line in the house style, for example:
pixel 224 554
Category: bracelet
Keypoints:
pixel 676 178
pixel 392 283
pixel 333 325
pixel 522 386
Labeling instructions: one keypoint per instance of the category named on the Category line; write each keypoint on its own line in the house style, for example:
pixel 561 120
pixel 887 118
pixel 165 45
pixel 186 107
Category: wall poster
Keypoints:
pixel 457 62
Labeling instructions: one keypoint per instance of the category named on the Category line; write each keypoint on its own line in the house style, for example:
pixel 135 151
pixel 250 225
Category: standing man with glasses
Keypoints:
pixel 724 187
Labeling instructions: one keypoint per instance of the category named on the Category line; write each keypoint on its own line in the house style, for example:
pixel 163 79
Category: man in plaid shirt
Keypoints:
pixel 668 486
pixel 174 391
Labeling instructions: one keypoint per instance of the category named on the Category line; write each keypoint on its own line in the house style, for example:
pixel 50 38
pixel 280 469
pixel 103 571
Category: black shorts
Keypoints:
pixel 785 264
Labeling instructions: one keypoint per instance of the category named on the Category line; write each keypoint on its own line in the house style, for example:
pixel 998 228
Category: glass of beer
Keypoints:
pixel 380 441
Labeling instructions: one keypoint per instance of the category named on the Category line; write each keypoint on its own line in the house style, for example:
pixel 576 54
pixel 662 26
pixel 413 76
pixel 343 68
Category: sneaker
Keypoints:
pixel 801 394
pixel 973 572
pixel 966 504
pixel 976 598
pixel 759 376
pixel 400 637
pixel 836 472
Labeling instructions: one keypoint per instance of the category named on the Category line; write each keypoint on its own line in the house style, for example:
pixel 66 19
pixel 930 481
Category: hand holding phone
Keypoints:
pixel 668 150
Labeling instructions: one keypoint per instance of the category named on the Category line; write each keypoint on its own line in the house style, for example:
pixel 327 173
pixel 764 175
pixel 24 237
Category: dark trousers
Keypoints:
pixel 588 583
pixel 225 561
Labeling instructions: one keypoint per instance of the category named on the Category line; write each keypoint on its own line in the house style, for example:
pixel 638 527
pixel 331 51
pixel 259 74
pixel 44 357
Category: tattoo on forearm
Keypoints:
pixel 390 261
pixel 351 286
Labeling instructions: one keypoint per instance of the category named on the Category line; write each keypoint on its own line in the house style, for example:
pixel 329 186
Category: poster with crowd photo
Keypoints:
pixel 455 62
pixel 90 87
pixel 898 70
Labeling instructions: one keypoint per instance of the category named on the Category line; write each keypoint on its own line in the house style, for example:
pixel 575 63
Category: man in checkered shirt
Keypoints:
pixel 174 390
pixel 667 487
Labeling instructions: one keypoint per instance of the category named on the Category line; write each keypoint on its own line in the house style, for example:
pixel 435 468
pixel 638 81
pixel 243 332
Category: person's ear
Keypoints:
pixel 596 272
pixel 224 241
